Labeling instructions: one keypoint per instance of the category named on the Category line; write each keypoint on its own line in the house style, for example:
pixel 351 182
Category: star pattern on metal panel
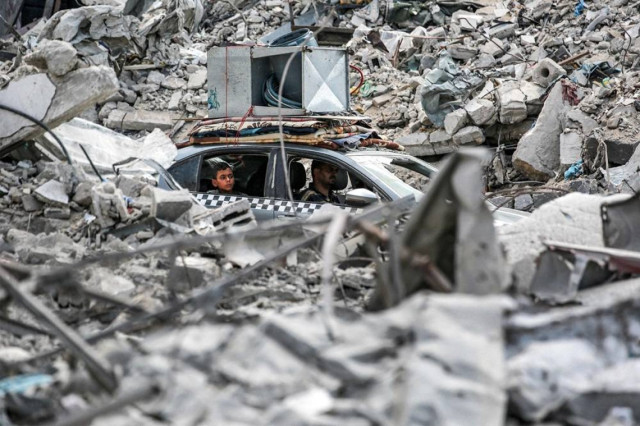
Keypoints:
pixel 325 81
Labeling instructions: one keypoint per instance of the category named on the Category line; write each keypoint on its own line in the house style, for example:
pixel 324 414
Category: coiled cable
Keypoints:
pixel 270 94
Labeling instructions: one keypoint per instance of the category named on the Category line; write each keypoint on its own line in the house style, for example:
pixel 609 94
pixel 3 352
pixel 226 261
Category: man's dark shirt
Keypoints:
pixel 313 196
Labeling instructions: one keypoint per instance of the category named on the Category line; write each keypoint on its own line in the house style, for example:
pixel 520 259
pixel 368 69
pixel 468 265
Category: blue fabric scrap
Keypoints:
pixel 574 171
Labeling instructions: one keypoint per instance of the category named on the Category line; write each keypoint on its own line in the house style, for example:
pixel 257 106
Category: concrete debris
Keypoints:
pixel 537 155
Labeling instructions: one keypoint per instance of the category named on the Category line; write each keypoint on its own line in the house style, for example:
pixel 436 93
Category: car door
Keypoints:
pixel 285 207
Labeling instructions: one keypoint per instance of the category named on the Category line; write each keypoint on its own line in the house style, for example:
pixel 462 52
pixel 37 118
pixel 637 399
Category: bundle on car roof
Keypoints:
pixel 333 132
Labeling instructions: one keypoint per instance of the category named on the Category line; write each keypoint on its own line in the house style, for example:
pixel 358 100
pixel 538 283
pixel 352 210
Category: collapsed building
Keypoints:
pixel 124 303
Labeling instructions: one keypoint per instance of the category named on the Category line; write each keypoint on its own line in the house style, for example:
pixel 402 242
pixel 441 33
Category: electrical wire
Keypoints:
pixel 41 124
pixel 355 90
pixel 93 166
pixel 270 93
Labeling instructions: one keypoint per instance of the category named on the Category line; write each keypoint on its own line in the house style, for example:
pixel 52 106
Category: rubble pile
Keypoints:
pixel 125 303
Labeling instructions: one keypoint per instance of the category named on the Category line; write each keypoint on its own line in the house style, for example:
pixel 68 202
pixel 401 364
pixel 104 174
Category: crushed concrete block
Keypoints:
pixel 616 386
pixel 169 205
pixel 493 47
pixel 455 121
pixel 131 187
pixel 442 142
pixel 106 147
pixel 41 248
pixel 513 108
pixel 155 77
pixel 416 144
pixel 82 195
pixel 469 135
pixel 173 83
pixel 573 218
pixel 502 31
pixel 523 202
pixel 480 111
pixel 52 192
pixel 140 120
pixel 576 119
pixel 546 374
pixel 570 148
pixel 55 56
pixel 537 155
pixel 382 99
pixel 108 204
pixel 31 203
pixel 197 79
pixel 620 150
pixel 527 40
pixel 546 72
pixel 462 52
pixel 174 102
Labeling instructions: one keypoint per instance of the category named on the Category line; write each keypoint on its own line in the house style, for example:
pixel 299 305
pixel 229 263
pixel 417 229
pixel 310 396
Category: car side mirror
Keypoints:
pixel 361 197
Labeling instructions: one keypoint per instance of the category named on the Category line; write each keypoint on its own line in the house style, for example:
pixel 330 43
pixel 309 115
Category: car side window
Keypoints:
pixel 185 173
pixel 301 178
pixel 249 172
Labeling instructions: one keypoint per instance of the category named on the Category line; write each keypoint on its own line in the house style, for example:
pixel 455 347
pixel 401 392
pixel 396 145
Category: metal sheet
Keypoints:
pixel 229 77
pixel 325 80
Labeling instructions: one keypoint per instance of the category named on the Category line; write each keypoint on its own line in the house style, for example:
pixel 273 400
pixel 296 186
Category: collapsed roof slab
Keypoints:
pixel 52 101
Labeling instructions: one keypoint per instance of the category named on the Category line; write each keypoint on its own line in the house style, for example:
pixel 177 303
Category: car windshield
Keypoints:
pixel 404 174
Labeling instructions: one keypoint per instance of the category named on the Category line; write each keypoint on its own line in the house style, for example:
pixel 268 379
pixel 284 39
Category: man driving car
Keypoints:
pixel 323 178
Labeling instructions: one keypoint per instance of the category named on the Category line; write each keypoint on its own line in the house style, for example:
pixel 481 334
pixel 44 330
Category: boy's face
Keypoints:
pixel 224 180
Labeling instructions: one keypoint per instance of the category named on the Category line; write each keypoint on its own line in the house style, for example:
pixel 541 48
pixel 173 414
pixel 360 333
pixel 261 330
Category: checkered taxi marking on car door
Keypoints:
pixel 215 200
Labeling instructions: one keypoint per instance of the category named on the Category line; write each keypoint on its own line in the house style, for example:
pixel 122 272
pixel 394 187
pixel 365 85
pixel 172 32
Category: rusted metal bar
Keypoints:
pixel 573 58
pixel 98 367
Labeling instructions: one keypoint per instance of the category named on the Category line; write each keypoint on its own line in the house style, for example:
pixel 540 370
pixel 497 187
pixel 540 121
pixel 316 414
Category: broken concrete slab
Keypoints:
pixel 546 374
pixel 140 120
pixel 619 151
pixel 170 205
pixel 537 155
pixel 616 386
pixel 52 192
pixel 480 111
pixel 55 56
pixel 570 148
pixel 442 142
pixel 32 94
pixel 455 121
pixel 513 108
pixel 469 135
pixel 197 79
pixel 106 147
pixel 74 93
pixel 423 144
pixel 462 52
pixel 573 218
pixel 576 119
